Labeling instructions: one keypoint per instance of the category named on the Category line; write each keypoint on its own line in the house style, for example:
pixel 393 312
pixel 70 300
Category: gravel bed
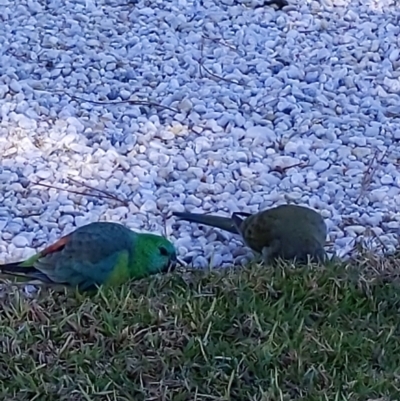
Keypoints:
pixel 207 106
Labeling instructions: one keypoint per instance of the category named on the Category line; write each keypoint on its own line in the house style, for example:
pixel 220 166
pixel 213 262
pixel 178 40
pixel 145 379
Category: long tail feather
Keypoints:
pixel 224 223
pixel 28 272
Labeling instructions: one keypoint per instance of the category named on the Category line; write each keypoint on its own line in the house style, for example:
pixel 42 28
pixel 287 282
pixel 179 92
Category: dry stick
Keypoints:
pixel 383 245
pixel 106 193
pixel 221 42
pixel 79 193
pixel 282 170
pixel 164 219
pixel 369 173
pixel 215 76
pixel 368 240
pixel 129 101
pixel 201 57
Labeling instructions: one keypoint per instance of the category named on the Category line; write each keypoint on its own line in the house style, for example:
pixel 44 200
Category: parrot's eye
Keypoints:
pixel 163 251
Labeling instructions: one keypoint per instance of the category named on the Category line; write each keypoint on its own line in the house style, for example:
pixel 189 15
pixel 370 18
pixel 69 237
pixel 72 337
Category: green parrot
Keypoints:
pixel 289 232
pixel 101 253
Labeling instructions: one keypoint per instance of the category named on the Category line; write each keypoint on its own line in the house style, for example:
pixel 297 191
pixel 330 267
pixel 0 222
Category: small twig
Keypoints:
pixel 28 215
pixel 59 188
pixel 221 42
pixel 105 196
pixel 378 239
pixel 369 173
pixel 282 170
pixel 106 193
pixel 201 58
pixel 164 219
pixel 217 77
pixel 113 102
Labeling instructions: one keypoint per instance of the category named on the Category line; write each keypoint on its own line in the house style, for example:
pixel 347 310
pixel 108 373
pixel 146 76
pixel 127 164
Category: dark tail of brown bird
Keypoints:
pixel 224 223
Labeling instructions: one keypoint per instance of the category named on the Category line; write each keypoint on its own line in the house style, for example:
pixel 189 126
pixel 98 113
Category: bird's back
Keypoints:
pixel 291 230
pixel 89 256
pixel 96 241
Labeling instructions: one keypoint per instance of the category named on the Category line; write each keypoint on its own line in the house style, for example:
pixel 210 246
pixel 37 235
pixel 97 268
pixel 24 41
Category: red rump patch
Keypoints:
pixel 56 247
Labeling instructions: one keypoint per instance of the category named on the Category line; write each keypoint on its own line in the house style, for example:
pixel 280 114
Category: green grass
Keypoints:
pixel 250 334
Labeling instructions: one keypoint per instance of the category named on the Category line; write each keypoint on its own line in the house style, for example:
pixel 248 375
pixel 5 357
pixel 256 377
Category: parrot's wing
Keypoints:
pixel 56 247
pixel 87 256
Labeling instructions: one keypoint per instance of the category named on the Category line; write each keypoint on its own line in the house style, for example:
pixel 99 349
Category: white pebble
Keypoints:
pixel 149 206
pixel 15 86
pixel 21 241
pixel 321 166
pixel 387 179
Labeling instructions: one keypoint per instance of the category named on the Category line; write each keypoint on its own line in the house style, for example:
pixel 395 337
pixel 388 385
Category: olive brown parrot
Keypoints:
pixel 289 232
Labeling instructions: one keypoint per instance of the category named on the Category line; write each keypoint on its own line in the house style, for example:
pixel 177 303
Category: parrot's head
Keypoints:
pixel 160 254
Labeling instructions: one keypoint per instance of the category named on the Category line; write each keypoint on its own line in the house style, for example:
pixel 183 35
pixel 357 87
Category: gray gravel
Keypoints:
pixel 299 105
